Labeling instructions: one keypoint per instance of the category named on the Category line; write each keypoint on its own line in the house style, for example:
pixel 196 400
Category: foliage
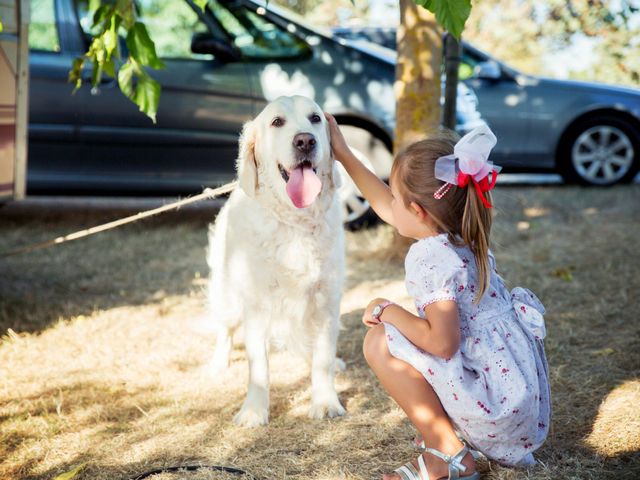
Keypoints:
pixel 110 20
pixel 451 14
pixel 104 54
pixel 528 34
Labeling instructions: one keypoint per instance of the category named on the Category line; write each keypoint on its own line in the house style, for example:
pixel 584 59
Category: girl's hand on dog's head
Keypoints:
pixel 338 143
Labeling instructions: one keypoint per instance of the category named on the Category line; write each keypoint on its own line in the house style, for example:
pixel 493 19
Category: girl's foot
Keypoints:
pixel 437 467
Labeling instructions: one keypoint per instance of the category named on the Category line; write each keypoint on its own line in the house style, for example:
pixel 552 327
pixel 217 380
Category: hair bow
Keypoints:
pixel 469 163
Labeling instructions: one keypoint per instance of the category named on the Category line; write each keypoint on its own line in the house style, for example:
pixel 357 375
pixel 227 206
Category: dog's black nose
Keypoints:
pixel 305 142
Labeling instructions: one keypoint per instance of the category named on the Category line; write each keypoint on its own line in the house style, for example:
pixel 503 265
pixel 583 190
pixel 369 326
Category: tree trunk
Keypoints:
pixel 419 40
pixel 419 45
pixel 451 65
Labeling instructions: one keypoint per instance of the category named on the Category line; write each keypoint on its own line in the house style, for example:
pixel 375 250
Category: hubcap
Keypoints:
pixel 602 154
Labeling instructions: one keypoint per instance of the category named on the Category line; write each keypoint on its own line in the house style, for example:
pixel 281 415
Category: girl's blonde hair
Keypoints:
pixel 459 213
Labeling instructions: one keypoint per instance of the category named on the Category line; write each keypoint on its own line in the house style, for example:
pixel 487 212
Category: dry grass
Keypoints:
pixel 103 347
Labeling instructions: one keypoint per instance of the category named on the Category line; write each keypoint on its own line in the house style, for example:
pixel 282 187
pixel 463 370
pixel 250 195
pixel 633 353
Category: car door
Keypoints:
pixel 505 105
pixel 203 103
pixel 54 113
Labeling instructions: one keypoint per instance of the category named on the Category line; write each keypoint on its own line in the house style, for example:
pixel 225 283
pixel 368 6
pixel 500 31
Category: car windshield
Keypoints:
pixel 254 35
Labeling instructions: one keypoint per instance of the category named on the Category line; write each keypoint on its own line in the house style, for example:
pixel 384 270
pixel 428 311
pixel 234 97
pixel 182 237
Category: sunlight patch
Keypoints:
pixel 616 429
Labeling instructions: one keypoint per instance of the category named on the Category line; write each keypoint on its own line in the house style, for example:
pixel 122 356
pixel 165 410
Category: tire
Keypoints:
pixel 371 151
pixel 602 150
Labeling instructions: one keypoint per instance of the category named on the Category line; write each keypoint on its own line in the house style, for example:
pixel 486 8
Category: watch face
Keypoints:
pixel 377 310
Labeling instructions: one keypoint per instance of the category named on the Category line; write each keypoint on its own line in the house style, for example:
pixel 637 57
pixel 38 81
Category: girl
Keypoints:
pixel 478 346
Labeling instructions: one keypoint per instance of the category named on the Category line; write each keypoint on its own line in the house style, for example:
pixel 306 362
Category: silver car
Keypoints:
pixel 588 132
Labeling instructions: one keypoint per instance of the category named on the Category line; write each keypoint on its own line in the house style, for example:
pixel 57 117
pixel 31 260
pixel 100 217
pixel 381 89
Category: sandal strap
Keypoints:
pixel 423 468
pixel 454 461
pixel 408 472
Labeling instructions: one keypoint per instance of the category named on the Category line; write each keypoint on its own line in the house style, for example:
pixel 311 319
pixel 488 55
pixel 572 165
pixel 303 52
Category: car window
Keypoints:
pixel 43 32
pixel 254 35
pixel 171 25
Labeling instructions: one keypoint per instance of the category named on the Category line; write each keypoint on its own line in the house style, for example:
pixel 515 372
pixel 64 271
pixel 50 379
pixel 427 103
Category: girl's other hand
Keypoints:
pixel 338 143
pixel 367 317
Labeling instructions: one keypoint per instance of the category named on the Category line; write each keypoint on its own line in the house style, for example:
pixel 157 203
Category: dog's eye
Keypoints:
pixel 315 118
pixel 277 122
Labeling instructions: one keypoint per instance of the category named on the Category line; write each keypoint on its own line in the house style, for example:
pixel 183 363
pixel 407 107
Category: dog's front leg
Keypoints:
pixel 325 402
pixel 224 343
pixel 255 410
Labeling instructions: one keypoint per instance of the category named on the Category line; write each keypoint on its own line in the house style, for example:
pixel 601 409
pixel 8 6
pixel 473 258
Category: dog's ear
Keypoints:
pixel 246 164
pixel 334 174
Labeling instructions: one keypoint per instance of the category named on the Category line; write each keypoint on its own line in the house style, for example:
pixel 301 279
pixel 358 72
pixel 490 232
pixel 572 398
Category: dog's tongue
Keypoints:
pixel 303 186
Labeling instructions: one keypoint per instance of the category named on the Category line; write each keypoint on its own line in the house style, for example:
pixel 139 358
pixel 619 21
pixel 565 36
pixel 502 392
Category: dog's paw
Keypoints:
pixel 330 409
pixel 251 416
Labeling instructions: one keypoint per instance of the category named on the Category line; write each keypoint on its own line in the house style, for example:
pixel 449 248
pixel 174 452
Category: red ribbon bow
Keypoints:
pixel 481 186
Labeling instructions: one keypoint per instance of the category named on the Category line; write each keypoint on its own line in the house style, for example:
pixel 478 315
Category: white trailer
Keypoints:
pixel 14 95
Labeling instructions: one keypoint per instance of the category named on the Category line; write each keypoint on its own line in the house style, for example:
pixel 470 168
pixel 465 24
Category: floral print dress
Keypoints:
pixel 495 388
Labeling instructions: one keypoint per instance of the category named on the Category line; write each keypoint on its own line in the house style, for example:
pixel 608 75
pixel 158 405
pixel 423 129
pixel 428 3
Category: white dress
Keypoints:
pixel 495 388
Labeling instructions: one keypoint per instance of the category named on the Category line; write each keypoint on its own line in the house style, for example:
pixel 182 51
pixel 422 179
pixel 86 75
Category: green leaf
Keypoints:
pixel 75 74
pixel 201 3
pixel 1 26
pixel 109 68
pixel 146 92
pixel 127 11
pixel 428 4
pixel 96 73
pixel 70 474
pixel 110 39
pixel 141 47
pixel 603 351
pixel 101 15
pixel 451 14
pixel 125 79
pixel 564 273
pixel 147 96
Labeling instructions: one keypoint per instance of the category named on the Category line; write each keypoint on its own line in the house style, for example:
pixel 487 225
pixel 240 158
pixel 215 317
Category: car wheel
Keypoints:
pixel 371 151
pixel 602 150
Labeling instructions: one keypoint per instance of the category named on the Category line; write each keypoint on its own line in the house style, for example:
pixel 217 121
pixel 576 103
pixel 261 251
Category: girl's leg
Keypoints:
pixel 416 397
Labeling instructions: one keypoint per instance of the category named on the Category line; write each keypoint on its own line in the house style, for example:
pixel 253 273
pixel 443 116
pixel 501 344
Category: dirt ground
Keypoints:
pixel 104 349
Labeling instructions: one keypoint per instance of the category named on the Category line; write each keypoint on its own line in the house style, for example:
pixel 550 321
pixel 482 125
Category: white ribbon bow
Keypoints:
pixel 472 155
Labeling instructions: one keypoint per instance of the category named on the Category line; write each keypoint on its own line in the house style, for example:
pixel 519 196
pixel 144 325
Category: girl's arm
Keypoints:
pixel 374 190
pixel 438 334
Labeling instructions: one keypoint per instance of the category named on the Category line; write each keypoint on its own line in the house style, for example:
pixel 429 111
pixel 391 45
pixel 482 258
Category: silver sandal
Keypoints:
pixel 476 454
pixel 409 472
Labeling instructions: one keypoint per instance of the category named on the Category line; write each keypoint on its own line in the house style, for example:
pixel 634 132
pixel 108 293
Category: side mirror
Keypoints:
pixel 207 44
pixel 489 70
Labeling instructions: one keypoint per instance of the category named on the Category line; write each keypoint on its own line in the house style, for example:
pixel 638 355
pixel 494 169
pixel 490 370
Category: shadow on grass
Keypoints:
pixel 136 264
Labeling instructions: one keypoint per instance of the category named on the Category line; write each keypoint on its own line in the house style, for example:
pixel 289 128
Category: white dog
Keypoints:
pixel 276 254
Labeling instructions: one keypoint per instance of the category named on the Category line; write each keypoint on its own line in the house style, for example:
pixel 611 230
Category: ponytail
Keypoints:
pixel 458 210
pixel 475 231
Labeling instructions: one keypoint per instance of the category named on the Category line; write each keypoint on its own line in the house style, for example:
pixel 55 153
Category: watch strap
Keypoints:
pixel 382 306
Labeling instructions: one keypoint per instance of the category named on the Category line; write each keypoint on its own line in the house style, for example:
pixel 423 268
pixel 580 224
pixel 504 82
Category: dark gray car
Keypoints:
pixel 222 66
pixel 588 132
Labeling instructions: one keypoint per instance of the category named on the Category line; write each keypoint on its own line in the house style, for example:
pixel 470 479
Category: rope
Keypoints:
pixel 206 193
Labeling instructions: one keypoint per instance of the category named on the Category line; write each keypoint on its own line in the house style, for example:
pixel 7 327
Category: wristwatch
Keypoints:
pixel 378 309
